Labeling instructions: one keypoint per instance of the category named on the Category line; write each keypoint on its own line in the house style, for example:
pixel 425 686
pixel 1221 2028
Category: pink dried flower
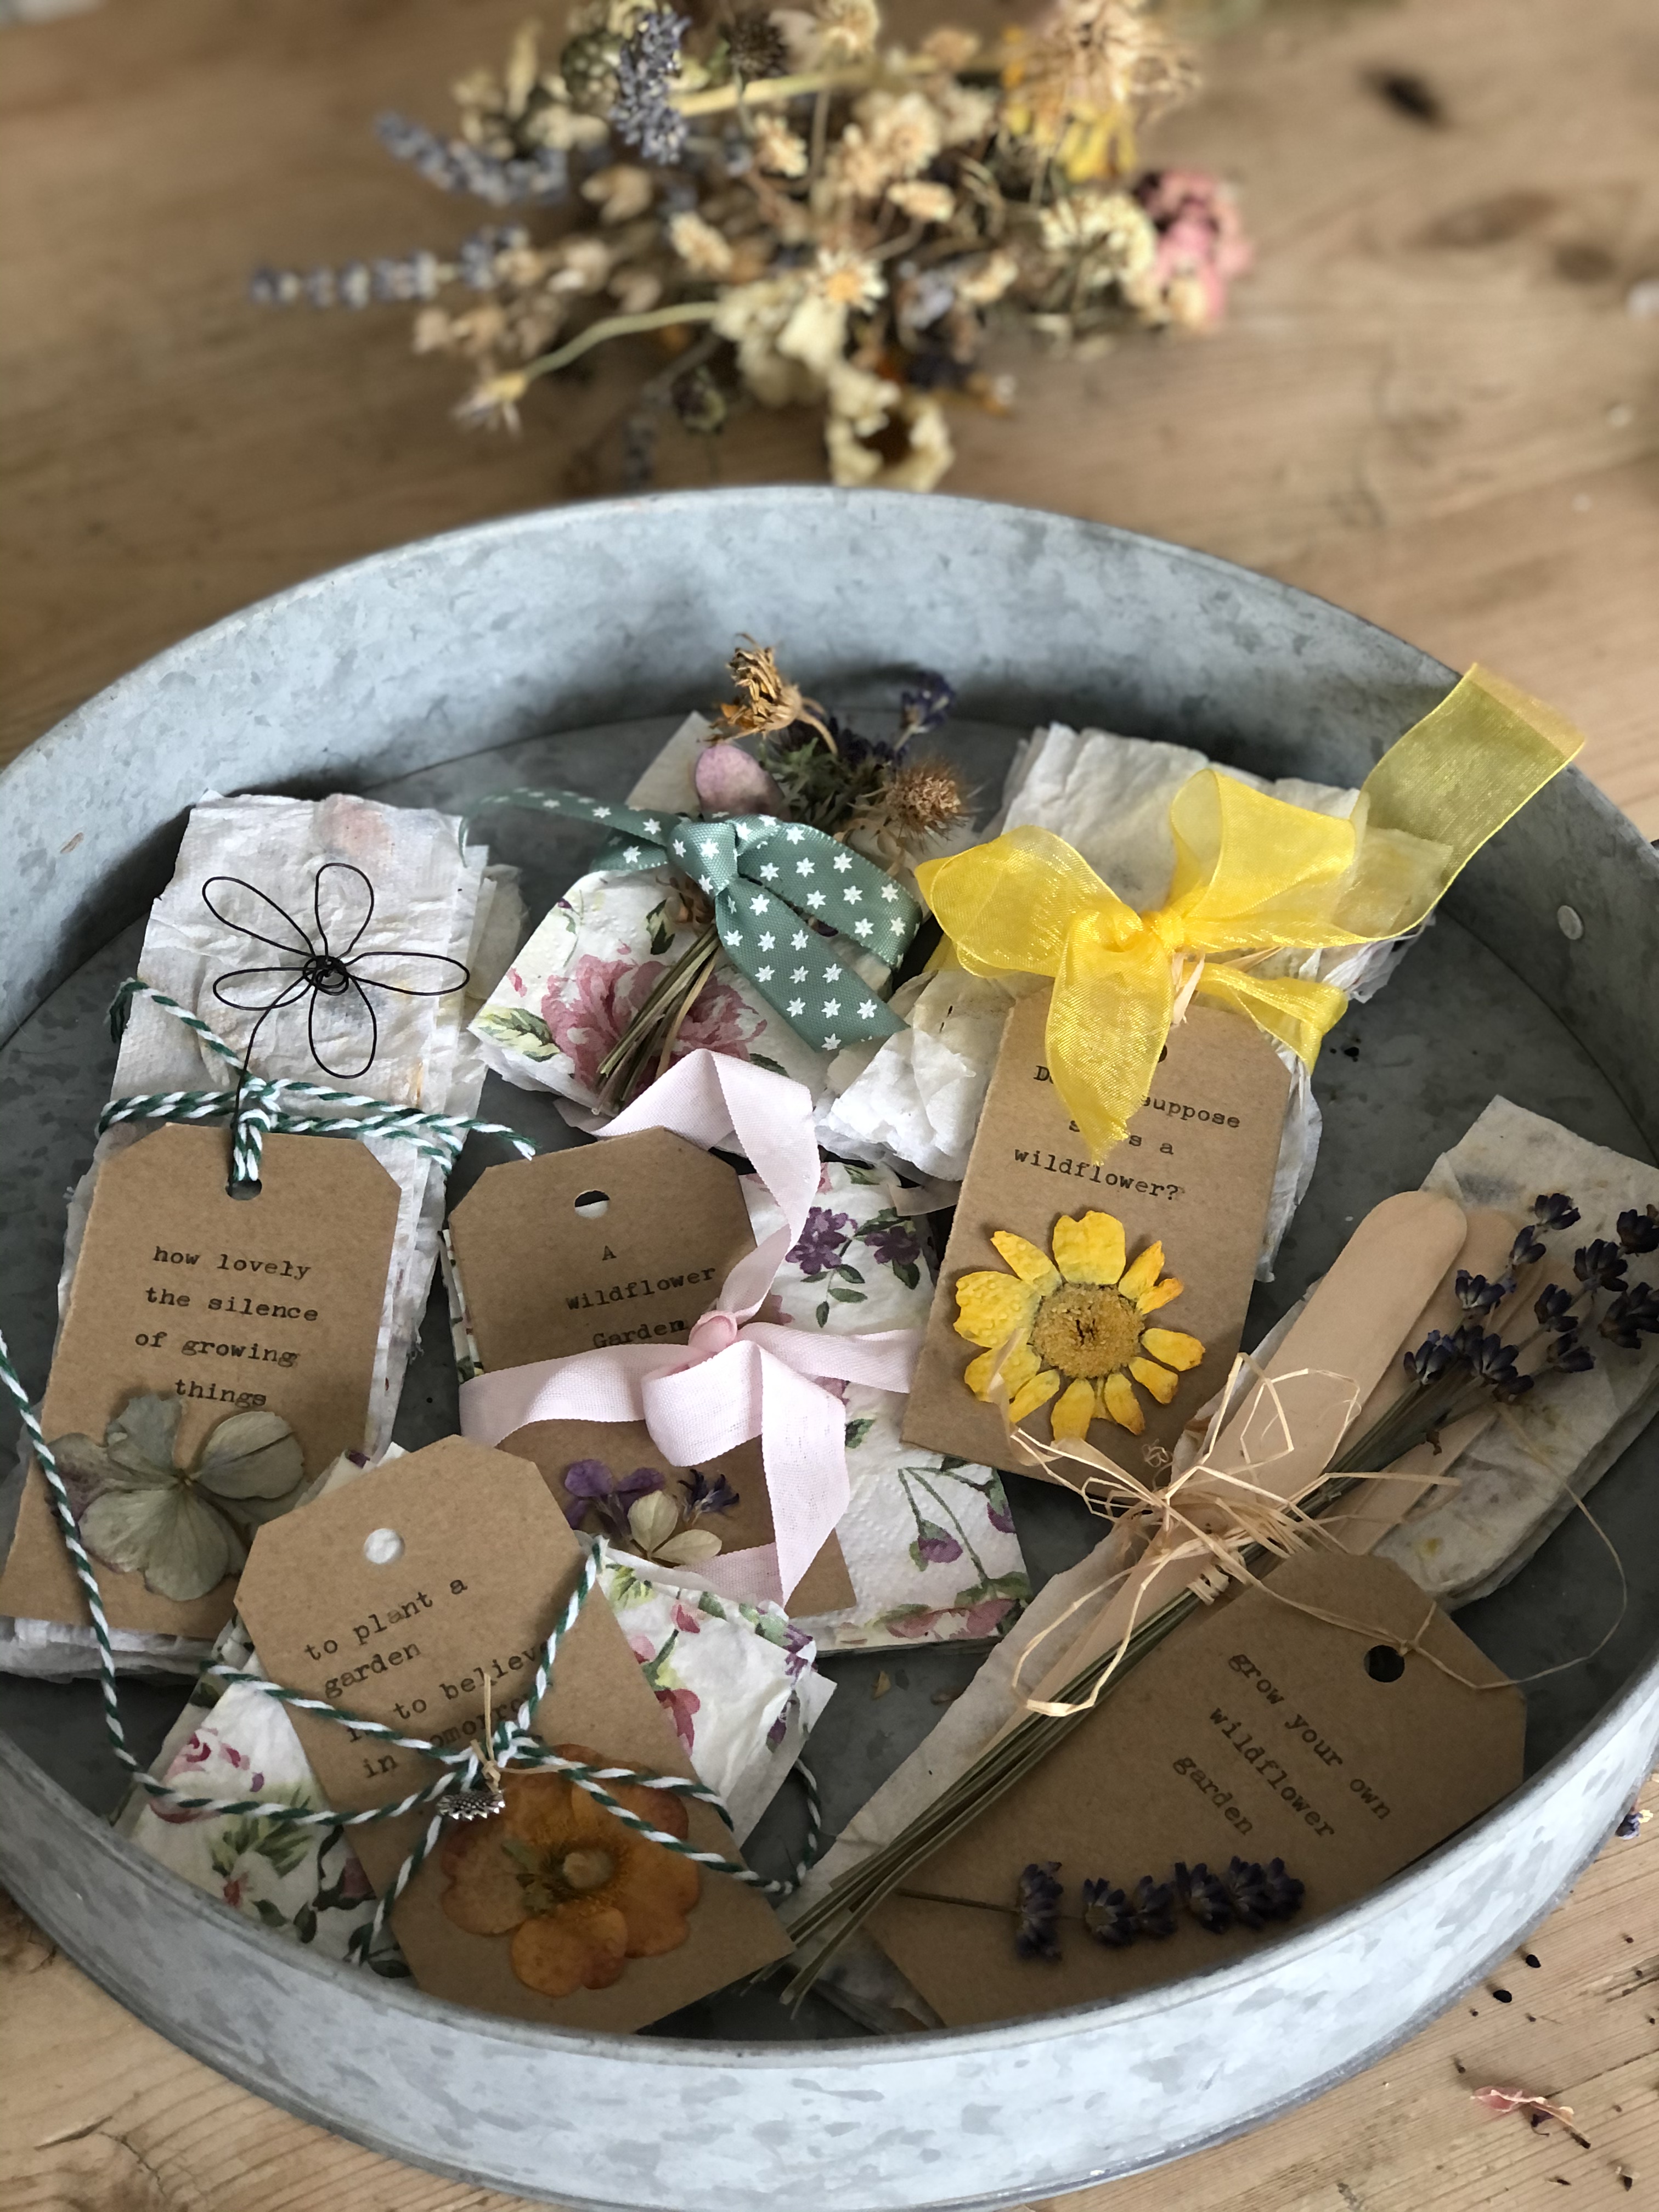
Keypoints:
pixel 1201 246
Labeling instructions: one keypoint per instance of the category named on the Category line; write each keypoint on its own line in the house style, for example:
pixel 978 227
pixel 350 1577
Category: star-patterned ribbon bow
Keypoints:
pixel 776 888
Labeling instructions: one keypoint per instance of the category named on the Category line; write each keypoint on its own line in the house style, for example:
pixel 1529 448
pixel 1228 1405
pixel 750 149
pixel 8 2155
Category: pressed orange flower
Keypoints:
pixel 579 1893
pixel 1077 1319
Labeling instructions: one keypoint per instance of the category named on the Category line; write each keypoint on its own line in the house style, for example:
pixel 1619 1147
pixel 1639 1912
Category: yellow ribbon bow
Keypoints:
pixel 1253 876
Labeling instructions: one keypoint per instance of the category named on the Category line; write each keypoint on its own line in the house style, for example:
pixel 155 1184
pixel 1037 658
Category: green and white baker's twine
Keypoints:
pixel 257 1108
pixel 258 1104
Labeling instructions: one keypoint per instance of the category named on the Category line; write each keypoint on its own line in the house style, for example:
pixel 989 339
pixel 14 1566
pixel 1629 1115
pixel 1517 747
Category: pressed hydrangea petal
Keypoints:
pixel 1173 1349
pixel 1159 1294
pixel 1020 1367
pixel 1117 1395
pixel 1074 1409
pixel 1142 1272
pixel 1029 1262
pixel 991 1307
pixel 140 1438
pixel 175 1540
pixel 1038 1392
pixel 1089 1250
pixel 690 1548
pixel 252 1454
pixel 1158 1380
pixel 652 1520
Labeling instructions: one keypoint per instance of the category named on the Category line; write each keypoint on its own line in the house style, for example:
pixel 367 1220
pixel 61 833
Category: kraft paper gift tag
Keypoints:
pixel 1196 1173
pixel 229 1304
pixel 623 1243
pixel 1255 1729
pixel 485 1563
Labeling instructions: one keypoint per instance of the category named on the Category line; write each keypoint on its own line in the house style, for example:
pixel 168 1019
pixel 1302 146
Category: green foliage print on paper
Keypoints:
pixel 520 1031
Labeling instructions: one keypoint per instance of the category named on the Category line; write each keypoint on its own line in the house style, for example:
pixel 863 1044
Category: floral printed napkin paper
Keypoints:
pixel 928 1539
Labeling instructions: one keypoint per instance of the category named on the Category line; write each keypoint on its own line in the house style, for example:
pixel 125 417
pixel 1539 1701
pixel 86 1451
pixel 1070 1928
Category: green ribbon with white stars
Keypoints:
pixel 777 888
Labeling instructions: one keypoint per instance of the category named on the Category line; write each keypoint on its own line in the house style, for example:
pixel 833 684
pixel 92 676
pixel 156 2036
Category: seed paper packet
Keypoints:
pixel 1522 1476
pixel 592 962
pixel 428 898
pixel 915 1101
pixel 927 1538
pixel 739 1683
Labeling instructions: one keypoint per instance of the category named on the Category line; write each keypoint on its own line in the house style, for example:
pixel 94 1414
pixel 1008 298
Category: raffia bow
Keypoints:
pixel 1253 876
pixel 776 887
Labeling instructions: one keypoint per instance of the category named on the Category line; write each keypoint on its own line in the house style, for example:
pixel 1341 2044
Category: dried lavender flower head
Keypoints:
pixel 924 705
pixel 1478 1296
pixel 1600 1265
pixel 1632 1314
pixel 1639 1233
pixel 1037 1897
pixel 1554 1210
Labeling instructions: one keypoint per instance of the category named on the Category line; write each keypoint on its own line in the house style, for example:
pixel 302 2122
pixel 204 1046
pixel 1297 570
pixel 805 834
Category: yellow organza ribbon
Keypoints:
pixel 1253 876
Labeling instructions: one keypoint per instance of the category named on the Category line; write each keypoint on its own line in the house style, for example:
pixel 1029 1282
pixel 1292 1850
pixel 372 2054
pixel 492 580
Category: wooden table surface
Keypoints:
pixel 1432 405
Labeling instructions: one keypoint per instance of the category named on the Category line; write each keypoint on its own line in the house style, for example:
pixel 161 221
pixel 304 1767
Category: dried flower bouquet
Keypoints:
pixel 802 214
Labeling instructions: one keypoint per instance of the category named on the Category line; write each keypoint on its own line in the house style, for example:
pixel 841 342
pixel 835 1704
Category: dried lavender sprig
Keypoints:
pixel 418 276
pixel 541 179
pixel 641 115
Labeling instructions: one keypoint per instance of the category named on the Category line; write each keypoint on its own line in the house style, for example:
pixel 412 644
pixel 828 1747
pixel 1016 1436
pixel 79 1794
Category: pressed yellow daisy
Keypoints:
pixel 1078 1320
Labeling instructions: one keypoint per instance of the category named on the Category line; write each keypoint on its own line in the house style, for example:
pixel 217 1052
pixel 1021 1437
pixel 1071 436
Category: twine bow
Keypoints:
pixel 1253 876
pixel 736 1377
pixel 775 886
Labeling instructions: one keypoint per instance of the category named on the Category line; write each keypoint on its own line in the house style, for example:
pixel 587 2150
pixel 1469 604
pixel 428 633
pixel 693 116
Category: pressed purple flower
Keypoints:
pixel 707 1497
pixel 1600 1265
pixel 1639 1233
pixel 934 1546
pixel 1630 1825
pixel 1038 1902
pixel 894 1244
pixel 1554 1210
pixel 589 1482
pixel 1633 1314
pixel 1554 1307
pixel 823 1238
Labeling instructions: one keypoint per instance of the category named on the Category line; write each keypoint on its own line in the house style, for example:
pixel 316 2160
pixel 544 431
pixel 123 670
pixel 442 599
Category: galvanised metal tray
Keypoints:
pixel 563 646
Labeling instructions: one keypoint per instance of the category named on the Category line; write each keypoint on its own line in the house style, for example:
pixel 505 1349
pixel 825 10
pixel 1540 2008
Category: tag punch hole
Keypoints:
pixel 250 1189
pixel 382 1547
pixel 1383 1663
pixel 591 1204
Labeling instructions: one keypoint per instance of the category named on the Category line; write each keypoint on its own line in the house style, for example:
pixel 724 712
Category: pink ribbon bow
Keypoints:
pixel 736 1377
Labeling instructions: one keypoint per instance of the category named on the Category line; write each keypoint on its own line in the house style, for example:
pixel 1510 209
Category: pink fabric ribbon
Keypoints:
pixel 736 1377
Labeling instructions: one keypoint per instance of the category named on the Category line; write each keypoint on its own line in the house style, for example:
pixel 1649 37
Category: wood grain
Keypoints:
pixel 101 2115
pixel 1429 406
